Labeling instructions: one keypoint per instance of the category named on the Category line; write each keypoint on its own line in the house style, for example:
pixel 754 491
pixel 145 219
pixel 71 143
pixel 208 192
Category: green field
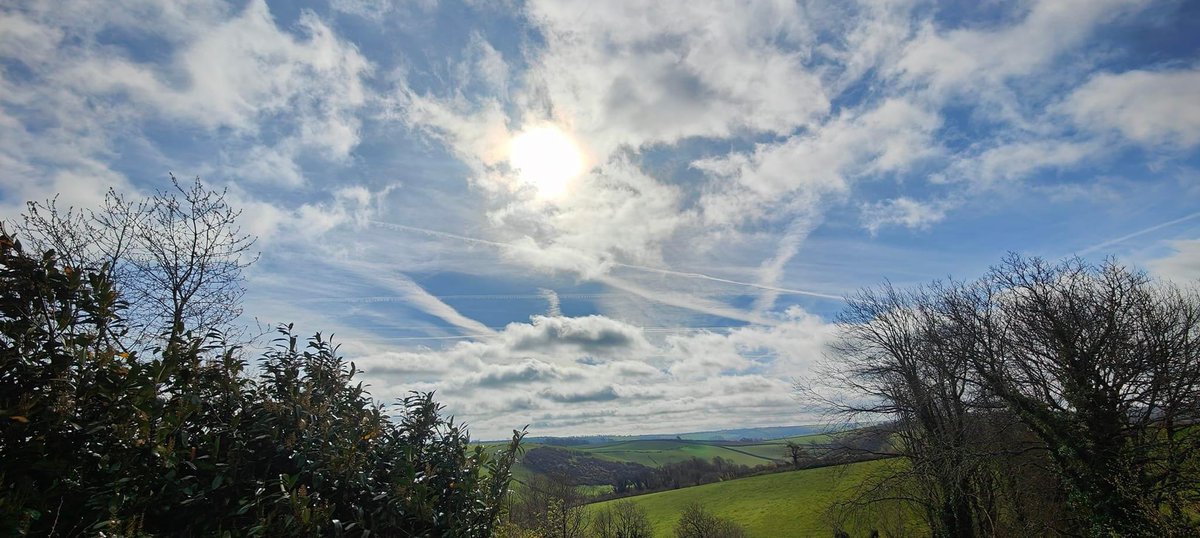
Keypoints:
pixel 655 453
pixel 781 504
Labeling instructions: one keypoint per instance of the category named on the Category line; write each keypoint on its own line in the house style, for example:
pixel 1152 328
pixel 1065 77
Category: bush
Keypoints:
pixel 697 522
pixel 97 439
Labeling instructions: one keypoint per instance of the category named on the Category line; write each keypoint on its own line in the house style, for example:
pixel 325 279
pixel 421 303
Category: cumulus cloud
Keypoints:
pixel 601 394
pixel 591 334
pixel 569 369
pixel 528 371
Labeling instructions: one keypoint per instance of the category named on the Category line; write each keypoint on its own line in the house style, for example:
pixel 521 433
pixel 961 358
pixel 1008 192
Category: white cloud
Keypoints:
pixel 1147 107
pixel 902 211
pixel 630 74
pixel 967 60
pixel 351 206
pixel 800 172
pixel 1012 161
pixel 218 70
pixel 263 164
pixel 242 70
pixel 597 374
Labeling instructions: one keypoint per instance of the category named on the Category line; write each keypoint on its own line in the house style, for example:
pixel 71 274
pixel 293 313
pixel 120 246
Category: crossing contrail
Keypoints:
pixel 684 274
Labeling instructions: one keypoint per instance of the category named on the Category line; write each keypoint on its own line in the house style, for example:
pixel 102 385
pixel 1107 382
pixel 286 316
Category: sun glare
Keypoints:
pixel 546 158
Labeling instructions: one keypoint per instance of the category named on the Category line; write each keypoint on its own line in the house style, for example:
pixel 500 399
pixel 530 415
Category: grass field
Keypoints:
pixel 781 504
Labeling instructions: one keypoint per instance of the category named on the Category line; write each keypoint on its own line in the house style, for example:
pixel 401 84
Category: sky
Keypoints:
pixel 617 217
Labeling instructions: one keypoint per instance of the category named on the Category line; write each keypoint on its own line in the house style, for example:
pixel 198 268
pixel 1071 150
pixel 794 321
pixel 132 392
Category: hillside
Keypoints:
pixel 599 459
pixel 781 504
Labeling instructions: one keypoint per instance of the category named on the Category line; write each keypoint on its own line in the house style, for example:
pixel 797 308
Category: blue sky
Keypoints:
pixel 739 166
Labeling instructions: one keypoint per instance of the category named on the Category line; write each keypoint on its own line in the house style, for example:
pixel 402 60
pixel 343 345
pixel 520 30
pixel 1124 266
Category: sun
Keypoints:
pixel 546 158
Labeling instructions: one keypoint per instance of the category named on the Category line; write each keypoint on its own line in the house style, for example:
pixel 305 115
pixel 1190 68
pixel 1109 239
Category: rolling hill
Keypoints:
pixel 782 504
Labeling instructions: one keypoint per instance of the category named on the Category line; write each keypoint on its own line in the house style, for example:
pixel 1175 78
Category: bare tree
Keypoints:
pixel 1041 398
pixel 897 355
pixel 1103 366
pixel 177 256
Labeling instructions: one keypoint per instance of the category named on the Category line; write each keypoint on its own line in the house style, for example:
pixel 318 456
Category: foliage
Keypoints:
pixel 180 441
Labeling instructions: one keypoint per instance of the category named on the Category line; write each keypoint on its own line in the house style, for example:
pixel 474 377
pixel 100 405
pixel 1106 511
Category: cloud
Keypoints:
pixel 271 222
pixel 79 93
pixel 590 334
pixel 1003 164
pixel 798 174
pixel 1146 107
pixel 527 371
pixel 241 70
pixel 602 394
pixel 416 296
pixel 971 60
pixel 622 78
pixel 631 74
pixel 902 211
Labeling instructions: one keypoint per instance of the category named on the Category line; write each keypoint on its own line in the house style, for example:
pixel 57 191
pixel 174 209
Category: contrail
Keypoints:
pixel 702 276
pixel 685 301
pixel 699 276
pixel 436 233
pixel 1138 233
